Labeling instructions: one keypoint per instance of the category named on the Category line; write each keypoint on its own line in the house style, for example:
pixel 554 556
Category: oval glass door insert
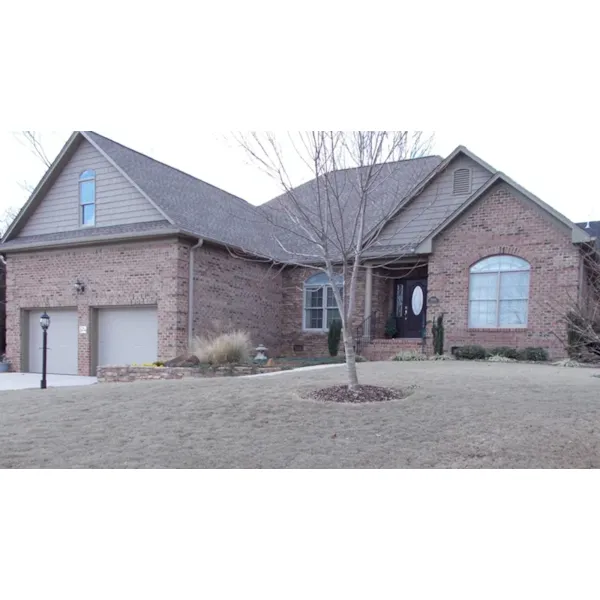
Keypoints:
pixel 417 300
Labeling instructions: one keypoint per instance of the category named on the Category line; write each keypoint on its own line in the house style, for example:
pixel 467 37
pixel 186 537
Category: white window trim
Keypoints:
pixel 324 308
pixel 82 180
pixel 498 274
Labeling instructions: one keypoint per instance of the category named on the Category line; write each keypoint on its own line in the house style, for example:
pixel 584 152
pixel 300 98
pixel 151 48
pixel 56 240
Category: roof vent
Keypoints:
pixel 462 182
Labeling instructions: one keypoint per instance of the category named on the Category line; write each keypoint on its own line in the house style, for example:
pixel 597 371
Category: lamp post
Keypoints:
pixel 45 323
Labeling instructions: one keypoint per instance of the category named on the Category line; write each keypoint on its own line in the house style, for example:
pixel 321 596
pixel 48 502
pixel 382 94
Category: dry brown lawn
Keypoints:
pixel 459 414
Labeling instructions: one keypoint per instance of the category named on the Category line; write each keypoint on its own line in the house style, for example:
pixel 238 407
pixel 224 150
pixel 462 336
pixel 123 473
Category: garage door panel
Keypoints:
pixel 62 342
pixel 127 336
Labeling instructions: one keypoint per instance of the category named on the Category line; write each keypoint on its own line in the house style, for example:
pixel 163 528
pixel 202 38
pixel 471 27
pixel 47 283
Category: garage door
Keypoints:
pixel 62 342
pixel 127 336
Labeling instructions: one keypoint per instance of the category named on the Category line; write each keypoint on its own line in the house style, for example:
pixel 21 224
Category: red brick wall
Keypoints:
pixel 501 223
pixel 241 294
pixel 314 343
pixel 123 274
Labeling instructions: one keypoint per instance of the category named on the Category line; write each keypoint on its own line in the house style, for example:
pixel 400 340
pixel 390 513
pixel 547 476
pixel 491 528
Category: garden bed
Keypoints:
pixel 128 374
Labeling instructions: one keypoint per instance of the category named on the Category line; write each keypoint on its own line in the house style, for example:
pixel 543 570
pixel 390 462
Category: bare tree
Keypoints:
pixel 582 315
pixel 33 141
pixel 333 224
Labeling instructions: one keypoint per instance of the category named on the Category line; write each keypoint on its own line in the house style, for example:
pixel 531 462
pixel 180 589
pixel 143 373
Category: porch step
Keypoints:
pixel 387 349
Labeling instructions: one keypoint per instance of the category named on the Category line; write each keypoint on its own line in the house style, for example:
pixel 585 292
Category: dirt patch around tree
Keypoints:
pixel 364 394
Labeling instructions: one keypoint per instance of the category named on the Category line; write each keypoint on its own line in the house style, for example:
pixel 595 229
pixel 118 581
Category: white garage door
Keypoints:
pixel 127 336
pixel 62 342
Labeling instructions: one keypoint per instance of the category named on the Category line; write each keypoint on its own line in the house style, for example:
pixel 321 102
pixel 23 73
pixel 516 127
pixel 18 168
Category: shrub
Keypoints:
pixel 505 352
pixel 498 358
pixel 391 328
pixel 471 353
pixel 335 335
pixel 534 355
pixel 408 356
pixel 438 335
pixel 227 349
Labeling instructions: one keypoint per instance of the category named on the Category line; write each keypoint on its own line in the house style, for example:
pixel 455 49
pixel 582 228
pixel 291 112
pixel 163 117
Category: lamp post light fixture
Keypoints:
pixel 45 323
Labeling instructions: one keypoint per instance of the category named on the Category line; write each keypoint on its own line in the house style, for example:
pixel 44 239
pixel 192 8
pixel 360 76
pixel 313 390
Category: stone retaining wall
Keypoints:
pixel 112 374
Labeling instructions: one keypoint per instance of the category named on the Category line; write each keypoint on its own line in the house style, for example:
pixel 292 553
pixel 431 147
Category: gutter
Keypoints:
pixel 191 292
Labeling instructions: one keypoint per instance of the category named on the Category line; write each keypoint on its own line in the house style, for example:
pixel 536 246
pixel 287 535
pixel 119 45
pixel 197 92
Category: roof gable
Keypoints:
pixel 53 208
pixel 189 203
pixel 431 204
pixel 577 234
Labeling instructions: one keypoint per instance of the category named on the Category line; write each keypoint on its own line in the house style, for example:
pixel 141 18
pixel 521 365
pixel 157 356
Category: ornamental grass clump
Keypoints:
pixel 226 349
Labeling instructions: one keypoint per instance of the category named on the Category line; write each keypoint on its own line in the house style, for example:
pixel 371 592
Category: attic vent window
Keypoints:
pixel 462 182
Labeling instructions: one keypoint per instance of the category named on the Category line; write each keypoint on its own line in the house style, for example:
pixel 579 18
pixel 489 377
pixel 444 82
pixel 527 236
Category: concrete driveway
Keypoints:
pixel 25 381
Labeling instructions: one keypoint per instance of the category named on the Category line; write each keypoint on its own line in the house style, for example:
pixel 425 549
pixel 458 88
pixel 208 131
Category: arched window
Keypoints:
pixel 87 198
pixel 499 293
pixel 320 306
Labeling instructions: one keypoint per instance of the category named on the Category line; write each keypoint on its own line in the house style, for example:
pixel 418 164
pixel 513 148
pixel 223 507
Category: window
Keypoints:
pixel 87 198
pixel 499 293
pixel 320 307
pixel 462 182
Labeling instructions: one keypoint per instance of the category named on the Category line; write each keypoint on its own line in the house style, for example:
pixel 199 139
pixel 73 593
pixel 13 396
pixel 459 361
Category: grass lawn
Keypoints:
pixel 460 414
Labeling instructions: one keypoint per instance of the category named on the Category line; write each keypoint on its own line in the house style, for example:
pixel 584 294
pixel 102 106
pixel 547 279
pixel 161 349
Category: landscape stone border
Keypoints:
pixel 120 374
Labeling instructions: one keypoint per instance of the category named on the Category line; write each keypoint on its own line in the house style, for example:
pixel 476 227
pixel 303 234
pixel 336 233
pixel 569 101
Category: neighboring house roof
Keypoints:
pixel 591 228
pixel 194 207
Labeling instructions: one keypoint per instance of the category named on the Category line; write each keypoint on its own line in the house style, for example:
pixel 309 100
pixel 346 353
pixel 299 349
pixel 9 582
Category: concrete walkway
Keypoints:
pixel 299 370
pixel 25 381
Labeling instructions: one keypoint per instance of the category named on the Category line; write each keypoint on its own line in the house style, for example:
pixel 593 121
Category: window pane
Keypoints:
pixel 512 263
pixel 487 265
pixel 483 287
pixel 513 313
pixel 87 192
pixel 500 263
pixel 331 303
pixel 88 175
pixel 482 314
pixel 514 286
pixel 314 298
pixel 314 319
pixel 88 214
pixel 333 314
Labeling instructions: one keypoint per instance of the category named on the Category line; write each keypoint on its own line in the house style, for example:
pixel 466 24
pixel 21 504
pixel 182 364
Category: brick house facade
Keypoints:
pixel 148 217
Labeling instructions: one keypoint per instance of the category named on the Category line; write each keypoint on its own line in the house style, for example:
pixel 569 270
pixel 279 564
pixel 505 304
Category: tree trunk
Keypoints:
pixel 350 361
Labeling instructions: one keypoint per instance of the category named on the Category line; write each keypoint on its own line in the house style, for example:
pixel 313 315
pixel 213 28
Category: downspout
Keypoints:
pixel 191 293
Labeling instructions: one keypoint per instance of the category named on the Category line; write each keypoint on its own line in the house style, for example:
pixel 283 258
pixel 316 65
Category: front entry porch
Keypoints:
pixel 395 317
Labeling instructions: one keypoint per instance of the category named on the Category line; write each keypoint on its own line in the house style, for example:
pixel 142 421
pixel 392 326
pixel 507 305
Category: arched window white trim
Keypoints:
pixel 320 307
pixel 499 293
pixel 87 199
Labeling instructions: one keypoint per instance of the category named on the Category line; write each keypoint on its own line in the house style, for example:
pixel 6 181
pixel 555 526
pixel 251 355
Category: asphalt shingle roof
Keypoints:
pixel 592 228
pixel 192 204
pixel 393 185
pixel 89 232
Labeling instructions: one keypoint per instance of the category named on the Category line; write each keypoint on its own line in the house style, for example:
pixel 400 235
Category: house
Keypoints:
pixel 132 258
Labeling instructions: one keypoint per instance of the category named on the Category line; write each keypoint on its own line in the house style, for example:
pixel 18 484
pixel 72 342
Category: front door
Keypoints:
pixel 410 307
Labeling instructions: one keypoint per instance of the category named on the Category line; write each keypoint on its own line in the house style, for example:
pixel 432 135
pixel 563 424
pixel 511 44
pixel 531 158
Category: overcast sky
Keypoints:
pixel 565 180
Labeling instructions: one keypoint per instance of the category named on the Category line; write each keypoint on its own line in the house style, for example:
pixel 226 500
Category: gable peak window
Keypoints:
pixel 499 293
pixel 320 306
pixel 462 182
pixel 87 199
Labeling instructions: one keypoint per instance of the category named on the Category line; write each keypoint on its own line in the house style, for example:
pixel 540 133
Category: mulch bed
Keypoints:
pixel 364 394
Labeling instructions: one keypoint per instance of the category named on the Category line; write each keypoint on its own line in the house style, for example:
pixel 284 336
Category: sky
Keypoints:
pixel 537 159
